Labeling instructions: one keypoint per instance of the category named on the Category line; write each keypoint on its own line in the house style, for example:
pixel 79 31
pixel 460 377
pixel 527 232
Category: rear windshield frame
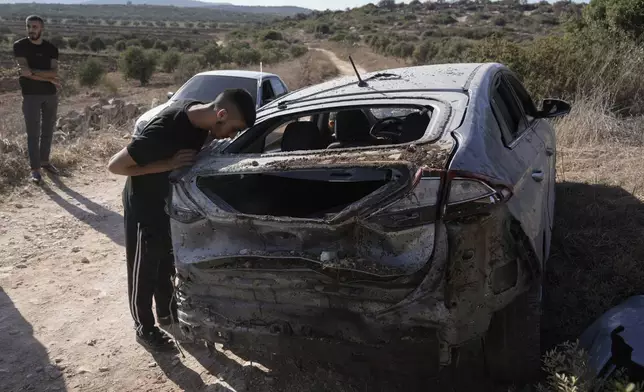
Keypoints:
pixel 439 116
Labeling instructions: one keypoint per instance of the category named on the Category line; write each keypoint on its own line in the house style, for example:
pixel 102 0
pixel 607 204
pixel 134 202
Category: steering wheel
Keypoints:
pixel 377 131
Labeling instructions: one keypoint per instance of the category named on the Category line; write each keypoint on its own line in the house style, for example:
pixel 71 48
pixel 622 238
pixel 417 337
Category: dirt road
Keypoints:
pixel 343 66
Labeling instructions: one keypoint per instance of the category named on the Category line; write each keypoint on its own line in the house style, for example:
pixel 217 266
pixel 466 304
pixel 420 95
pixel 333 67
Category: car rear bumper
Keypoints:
pixel 444 305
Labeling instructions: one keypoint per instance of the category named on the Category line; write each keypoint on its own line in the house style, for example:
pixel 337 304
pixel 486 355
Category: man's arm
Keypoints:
pixel 50 73
pixel 45 76
pixel 23 66
pixel 123 164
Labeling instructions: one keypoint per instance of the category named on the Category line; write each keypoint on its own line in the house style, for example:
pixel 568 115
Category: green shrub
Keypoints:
pixel 212 54
pixel 298 50
pixel 97 44
pixel 188 66
pixel 90 72
pixel 120 46
pixel 136 63
pixel 147 43
pixel 58 41
pixel 73 43
pixel 170 61
pixel 160 45
pixel 273 36
pixel 618 15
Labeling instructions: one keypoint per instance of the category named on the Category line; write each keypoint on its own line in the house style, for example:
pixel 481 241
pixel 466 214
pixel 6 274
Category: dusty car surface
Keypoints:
pixel 413 209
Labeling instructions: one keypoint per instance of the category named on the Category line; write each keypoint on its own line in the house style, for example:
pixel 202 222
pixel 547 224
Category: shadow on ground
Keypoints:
pixel 597 257
pixel 100 218
pixel 22 354
pixel 281 367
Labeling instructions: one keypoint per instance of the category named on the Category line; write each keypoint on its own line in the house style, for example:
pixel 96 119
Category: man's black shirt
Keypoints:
pixel 170 131
pixel 39 59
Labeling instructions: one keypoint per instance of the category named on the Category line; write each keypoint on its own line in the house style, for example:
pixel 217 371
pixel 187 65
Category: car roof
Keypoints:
pixel 447 78
pixel 238 73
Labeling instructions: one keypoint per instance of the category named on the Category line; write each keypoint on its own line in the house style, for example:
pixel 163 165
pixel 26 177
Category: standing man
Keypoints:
pixel 38 62
pixel 169 141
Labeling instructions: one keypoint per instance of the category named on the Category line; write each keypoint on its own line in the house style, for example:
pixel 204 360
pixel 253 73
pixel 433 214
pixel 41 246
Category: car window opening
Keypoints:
pixel 347 128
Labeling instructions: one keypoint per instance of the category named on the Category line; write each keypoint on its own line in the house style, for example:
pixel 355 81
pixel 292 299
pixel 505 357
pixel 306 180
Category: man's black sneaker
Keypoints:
pixel 36 178
pixel 155 339
pixel 165 321
pixel 51 168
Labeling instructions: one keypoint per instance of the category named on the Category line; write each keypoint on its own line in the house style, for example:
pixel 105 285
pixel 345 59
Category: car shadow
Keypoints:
pixel 240 369
pixel 24 362
pixel 99 218
pixel 596 259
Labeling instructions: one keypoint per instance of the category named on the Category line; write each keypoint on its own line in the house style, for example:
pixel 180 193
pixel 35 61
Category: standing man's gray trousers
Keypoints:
pixel 40 119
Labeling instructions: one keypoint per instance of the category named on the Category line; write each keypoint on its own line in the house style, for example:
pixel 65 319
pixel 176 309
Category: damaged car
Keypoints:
pixel 406 208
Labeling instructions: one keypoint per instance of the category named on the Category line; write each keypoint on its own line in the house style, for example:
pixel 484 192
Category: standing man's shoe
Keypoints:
pixel 51 168
pixel 155 339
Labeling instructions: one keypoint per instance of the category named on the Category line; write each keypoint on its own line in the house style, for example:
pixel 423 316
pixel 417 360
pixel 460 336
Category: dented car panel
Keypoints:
pixel 422 241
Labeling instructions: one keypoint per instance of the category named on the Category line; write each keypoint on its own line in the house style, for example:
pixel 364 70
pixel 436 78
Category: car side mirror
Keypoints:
pixel 551 108
pixel 170 94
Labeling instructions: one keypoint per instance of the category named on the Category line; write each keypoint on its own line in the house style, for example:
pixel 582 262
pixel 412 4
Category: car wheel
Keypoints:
pixel 512 344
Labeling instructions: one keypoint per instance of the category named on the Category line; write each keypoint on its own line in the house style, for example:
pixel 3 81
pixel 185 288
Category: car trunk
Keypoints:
pixel 328 211
pixel 313 193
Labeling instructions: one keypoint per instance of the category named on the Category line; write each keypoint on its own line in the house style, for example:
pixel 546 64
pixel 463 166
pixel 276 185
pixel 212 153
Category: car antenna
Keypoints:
pixel 361 83
pixel 259 84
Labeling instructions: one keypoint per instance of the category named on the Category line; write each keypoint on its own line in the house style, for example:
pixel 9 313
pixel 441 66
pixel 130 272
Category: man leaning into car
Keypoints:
pixel 169 141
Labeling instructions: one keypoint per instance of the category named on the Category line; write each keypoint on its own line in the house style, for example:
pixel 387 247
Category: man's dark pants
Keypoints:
pixel 150 270
pixel 40 119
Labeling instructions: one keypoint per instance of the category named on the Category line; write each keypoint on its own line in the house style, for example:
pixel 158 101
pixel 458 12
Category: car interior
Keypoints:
pixel 352 127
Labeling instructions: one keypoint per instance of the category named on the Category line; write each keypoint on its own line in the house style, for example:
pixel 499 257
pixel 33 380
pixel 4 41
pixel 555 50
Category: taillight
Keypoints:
pixel 465 196
pixel 415 208
pixel 468 196
pixel 181 208
pixel 463 190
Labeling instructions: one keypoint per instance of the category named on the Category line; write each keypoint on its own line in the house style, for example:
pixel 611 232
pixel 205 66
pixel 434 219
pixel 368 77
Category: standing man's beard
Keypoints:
pixel 34 36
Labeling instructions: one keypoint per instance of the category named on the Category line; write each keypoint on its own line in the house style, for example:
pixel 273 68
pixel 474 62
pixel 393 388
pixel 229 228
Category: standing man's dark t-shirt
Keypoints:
pixel 39 59
pixel 144 196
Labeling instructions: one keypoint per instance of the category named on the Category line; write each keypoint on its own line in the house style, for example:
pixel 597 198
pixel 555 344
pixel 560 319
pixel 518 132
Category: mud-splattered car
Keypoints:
pixel 412 208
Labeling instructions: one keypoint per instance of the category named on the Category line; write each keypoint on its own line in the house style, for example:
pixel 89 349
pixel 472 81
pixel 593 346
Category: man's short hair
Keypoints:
pixel 242 100
pixel 35 18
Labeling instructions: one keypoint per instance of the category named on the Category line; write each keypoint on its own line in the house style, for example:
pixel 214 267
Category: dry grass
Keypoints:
pixel 597 249
pixel 312 68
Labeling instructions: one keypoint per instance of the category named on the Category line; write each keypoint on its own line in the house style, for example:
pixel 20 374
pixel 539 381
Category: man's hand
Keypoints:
pixel 26 72
pixel 182 158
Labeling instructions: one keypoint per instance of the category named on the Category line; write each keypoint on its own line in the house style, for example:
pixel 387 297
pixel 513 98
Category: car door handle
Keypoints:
pixel 537 175
pixel 549 151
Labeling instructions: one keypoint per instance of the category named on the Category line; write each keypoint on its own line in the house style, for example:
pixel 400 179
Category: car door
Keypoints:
pixel 278 87
pixel 544 131
pixel 267 93
pixel 527 152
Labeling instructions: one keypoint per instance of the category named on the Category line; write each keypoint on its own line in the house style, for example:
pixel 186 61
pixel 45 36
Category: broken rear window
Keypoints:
pixel 350 127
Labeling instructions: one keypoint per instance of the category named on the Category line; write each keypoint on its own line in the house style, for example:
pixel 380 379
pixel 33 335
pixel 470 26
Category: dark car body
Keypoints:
pixel 421 242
